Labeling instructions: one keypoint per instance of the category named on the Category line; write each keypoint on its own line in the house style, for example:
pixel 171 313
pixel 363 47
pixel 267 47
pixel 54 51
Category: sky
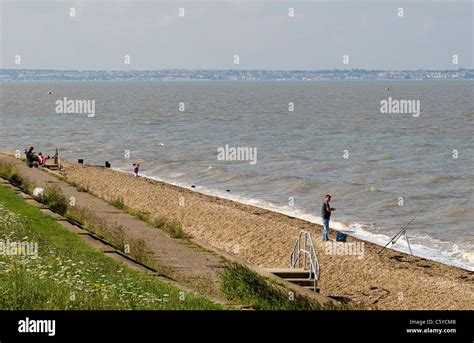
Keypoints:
pixel 209 35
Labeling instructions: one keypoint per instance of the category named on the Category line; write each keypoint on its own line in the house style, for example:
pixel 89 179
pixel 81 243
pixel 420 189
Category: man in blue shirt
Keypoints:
pixel 326 214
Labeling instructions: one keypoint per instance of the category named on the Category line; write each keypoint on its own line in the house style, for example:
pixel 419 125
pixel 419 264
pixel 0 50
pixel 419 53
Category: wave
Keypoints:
pixel 461 212
pixel 381 157
pixel 218 174
pixel 373 190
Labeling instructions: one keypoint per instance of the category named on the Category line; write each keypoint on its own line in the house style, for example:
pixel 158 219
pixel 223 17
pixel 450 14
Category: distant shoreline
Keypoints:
pixel 246 81
pixel 236 75
pixel 240 70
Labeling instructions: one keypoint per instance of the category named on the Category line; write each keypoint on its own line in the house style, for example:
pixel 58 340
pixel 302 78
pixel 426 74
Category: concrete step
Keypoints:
pixel 73 228
pixel 51 213
pixel 25 195
pixel 52 166
pixel 311 288
pixel 36 203
pixel 288 273
pixel 301 281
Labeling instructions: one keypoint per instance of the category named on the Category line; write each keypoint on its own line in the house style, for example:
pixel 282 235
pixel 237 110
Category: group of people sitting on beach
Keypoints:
pixel 35 160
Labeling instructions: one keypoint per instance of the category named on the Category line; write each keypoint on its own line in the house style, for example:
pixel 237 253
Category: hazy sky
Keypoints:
pixel 263 35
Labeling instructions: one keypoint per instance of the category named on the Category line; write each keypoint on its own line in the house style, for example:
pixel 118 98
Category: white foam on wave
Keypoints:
pixel 455 257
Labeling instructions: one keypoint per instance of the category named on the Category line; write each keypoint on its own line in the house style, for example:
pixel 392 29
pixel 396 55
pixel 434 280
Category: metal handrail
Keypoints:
pixel 310 260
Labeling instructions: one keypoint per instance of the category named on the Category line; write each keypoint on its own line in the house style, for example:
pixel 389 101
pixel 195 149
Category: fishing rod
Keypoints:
pixel 395 238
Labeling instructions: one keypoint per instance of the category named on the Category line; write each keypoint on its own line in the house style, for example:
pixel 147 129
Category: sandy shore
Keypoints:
pixel 391 280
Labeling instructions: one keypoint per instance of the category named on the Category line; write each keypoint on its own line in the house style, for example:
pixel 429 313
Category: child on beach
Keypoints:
pixel 42 159
pixel 136 169
pixel 326 214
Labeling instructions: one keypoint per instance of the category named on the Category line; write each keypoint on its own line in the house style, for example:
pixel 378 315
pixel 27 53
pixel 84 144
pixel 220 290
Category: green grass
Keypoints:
pixel 83 189
pixel 68 274
pixel 9 172
pixel 54 198
pixel 139 215
pixel 174 229
pixel 239 283
pixel 118 203
pixel 80 188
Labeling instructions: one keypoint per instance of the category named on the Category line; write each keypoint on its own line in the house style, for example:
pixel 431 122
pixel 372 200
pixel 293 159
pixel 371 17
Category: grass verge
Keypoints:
pixel 8 171
pixel 54 198
pixel 118 203
pixel 174 229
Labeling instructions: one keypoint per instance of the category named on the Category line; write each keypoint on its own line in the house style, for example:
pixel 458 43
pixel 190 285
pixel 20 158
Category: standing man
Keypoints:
pixel 326 214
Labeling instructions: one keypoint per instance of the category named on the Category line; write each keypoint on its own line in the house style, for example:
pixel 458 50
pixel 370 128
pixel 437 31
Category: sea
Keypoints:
pixel 279 145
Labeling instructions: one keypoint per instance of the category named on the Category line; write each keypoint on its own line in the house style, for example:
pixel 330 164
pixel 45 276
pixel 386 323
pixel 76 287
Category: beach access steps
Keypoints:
pixel 304 257
pixel 297 276
pixel 304 264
